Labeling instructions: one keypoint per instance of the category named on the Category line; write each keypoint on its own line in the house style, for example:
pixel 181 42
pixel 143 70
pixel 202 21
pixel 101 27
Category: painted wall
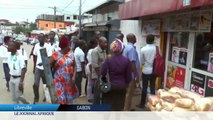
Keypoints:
pixel 135 27
pixel 48 25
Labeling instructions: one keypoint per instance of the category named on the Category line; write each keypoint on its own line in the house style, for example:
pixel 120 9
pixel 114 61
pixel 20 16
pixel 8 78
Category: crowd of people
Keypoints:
pixel 71 61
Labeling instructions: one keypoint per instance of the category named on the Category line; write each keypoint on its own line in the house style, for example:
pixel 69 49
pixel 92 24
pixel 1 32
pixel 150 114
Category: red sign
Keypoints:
pixel 210 83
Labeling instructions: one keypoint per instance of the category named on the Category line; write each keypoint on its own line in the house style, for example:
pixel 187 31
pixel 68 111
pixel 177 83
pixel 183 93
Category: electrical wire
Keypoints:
pixel 68 5
pixel 81 6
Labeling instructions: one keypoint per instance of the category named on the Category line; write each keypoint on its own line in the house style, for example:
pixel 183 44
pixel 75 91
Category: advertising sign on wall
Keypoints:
pixel 175 54
pixel 197 83
pixel 183 56
pixel 209 87
pixel 175 76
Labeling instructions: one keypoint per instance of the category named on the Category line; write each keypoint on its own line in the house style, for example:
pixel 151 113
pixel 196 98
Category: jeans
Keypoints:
pixel 38 74
pixel 97 92
pixel 78 81
pixel 146 79
pixel 6 71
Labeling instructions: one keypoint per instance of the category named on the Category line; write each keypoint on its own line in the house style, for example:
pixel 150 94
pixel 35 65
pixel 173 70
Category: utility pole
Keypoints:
pixel 80 32
pixel 54 8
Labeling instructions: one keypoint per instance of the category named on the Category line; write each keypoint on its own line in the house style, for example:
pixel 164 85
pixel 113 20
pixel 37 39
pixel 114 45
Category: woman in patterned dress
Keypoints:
pixel 64 74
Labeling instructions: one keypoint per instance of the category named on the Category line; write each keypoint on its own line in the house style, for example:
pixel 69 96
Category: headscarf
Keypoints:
pixel 117 46
pixel 64 42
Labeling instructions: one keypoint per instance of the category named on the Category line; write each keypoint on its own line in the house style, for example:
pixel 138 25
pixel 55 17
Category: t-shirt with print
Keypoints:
pixel 37 53
pixel 16 64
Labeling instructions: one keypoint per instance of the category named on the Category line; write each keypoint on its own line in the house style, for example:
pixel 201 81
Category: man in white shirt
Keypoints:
pixel 147 57
pixel 80 63
pixel 17 71
pixel 4 55
pixel 21 50
pixel 38 67
pixel 54 44
pixel 92 44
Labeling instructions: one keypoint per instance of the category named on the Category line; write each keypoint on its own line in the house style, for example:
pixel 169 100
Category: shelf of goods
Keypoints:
pixel 177 100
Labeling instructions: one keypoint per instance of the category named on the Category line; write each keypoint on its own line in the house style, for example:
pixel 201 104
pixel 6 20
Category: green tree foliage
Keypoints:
pixel 25 29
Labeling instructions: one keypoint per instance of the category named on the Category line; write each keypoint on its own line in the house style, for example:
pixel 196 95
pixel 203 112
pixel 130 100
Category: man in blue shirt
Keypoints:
pixel 131 53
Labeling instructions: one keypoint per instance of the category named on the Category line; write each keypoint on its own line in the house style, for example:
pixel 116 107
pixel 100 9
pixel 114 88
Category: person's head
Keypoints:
pixel 102 42
pixel 18 44
pixel 97 34
pixel 52 36
pixel 7 39
pixel 92 44
pixel 82 44
pixel 131 38
pixel 117 47
pixel 41 38
pixel 12 47
pixel 150 39
pixel 120 36
pixel 64 43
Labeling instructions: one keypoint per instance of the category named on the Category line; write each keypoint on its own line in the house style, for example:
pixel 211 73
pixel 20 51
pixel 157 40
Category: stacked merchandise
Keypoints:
pixel 177 99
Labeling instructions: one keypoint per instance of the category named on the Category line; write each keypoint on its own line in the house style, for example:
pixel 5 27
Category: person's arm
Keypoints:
pixel 31 53
pixel 133 58
pixel 74 75
pixel 95 62
pixel 82 59
pixel 104 68
pixel 23 71
pixel 128 73
pixel 34 59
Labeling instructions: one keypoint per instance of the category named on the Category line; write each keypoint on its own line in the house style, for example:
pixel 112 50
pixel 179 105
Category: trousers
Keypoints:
pixel 17 95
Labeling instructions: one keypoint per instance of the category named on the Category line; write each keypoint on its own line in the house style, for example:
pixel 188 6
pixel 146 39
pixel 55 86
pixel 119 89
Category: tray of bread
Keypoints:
pixel 178 100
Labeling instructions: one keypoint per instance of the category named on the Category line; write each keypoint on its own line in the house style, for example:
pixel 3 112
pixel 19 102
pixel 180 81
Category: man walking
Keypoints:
pixel 131 53
pixel 147 56
pixel 17 71
pixel 39 69
pixel 4 55
pixel 54 44
pixel 80 63
pixel 98 56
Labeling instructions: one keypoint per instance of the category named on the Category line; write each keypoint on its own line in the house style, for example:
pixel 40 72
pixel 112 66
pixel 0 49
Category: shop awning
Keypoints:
pixel 139 8
pixel 115 22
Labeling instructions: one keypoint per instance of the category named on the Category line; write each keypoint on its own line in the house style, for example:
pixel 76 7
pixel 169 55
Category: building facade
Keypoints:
pixel 183 30
pixel 104 19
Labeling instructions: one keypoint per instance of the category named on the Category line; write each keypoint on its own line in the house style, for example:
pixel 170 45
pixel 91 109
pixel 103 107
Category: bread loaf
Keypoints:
pixel 159 92
pixel 184 102
pixel 203 104
pixel 150 107
pixel 166 105
pixel 153 100
pixel 169 97
pixel 159 107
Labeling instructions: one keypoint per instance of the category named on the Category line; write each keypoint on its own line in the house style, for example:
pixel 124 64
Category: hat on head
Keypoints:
pixel 18 40
pixel 64 42
pixel 117 46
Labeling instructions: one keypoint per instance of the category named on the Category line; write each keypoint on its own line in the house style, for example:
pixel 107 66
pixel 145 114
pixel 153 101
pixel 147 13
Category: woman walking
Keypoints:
pixel 64 74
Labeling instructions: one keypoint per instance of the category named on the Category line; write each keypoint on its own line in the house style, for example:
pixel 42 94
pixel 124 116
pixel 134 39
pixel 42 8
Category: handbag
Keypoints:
pixel 159 64
pixel 105 85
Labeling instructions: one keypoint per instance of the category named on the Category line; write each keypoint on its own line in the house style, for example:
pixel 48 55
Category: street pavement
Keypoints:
pixel 28 89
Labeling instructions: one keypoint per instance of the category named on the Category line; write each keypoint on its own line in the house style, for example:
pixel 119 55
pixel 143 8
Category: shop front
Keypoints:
pixel 185 37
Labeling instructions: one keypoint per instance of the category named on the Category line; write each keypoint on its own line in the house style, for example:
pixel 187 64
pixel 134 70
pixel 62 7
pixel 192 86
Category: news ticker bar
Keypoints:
pixel 53 107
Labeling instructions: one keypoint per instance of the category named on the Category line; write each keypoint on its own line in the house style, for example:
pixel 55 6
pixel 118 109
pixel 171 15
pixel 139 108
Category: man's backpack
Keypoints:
pixel 159 64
